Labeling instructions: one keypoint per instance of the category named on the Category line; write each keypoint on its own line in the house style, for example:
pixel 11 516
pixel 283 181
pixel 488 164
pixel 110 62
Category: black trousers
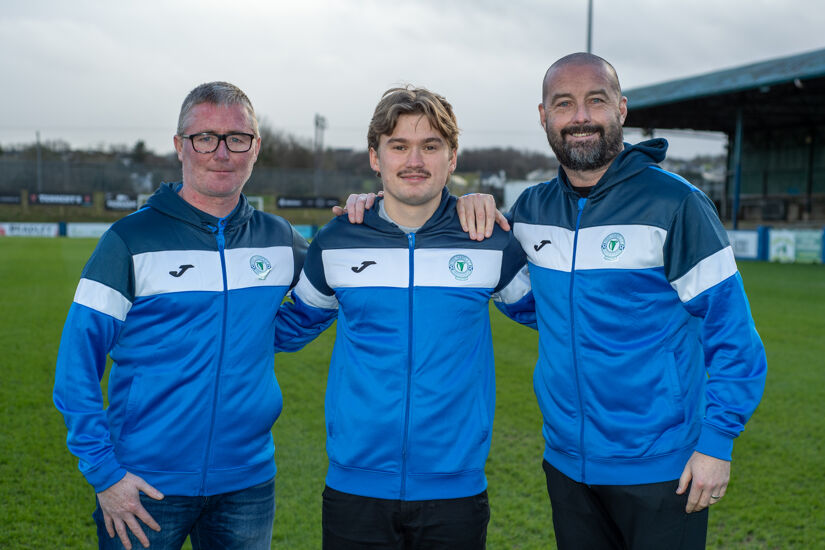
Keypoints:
pixel 622 517
pixel 355 522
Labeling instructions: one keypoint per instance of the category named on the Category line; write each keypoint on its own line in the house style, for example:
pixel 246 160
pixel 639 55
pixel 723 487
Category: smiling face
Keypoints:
pixel 213 182
pixel 582 114
pixel 415 162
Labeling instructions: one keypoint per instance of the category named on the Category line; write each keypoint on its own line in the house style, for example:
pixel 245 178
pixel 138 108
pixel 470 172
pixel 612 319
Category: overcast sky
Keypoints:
pixel 92 72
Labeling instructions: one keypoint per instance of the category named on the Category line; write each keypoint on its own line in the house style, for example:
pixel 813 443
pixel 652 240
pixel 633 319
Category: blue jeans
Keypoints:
pixel 241 520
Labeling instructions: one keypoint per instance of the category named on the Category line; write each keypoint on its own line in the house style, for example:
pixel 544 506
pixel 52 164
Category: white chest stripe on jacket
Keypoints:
pixel 389 267
pixel 166 271
pixel 633 246
pixel 274 266
pixel 169 271
pixel 457 267
pixel 363 267
pixel 641 247
pixel 546 246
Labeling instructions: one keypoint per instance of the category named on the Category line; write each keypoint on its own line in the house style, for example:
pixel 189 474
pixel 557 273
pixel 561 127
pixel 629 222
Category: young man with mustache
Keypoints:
pixel 411 389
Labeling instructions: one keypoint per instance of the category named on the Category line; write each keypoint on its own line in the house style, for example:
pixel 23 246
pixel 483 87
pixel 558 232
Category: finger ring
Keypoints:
pixel 716 496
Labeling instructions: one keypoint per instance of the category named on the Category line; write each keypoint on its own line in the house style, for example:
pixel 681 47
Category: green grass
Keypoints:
pixel 774 499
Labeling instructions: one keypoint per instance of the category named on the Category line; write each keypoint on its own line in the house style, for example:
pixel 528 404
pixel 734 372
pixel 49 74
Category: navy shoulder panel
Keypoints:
pixel 375 232
pixel 652 198
pixel 262 230
pixel 451 235
pixel 695 233
pixel 149 230
pixel 111 264
pixel 314 268
pixel 546 203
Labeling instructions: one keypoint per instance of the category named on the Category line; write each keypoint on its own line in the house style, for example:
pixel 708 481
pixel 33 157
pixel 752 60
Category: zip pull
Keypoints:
pixel 582 201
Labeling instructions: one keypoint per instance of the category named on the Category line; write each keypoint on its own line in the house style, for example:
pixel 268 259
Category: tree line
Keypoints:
pixel 280 149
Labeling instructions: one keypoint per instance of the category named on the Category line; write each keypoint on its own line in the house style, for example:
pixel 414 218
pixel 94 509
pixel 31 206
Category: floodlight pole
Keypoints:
pixel 737 167
pixel 318 145
pixel 39 165
pixel 589 26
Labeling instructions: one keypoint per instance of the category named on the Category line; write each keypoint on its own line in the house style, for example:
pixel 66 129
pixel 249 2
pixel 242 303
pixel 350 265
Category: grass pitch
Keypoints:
pixel 774 499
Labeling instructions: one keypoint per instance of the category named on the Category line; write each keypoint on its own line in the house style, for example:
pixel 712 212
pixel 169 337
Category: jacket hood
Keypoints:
pixel 442 215
pixel 632 160
pixel 167 201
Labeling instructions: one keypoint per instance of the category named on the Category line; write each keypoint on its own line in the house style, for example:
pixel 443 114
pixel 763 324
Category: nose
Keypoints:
pixel 415 158
pixel 582 114
pixel 222 152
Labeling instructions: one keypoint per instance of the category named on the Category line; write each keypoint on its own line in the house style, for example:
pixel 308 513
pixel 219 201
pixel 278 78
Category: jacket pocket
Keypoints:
pixel 674 383
pixel 484 420
pixel 132 410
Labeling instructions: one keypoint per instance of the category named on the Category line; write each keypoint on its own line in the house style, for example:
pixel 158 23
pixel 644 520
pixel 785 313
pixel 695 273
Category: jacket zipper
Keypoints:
pixel 582 201
pixel 221 240
pixel 411 245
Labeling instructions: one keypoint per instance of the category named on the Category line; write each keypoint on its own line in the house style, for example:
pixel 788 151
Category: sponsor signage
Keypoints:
pixel 307 202
pixel 62 199
pixel 802 245
pixel 86 230
pixel 119 201
pixel 745 244
pixel 808 245
pixel 10 199
pixel 782 247
pixel 12 229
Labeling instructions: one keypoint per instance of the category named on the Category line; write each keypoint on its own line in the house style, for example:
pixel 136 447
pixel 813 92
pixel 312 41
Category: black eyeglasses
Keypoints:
pixel 208 142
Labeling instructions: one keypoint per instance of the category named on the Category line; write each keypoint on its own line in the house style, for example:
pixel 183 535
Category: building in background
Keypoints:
pixel 773 114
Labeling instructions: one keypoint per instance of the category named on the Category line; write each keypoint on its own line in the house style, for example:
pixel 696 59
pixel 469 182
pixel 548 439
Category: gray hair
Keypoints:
pixel 217 93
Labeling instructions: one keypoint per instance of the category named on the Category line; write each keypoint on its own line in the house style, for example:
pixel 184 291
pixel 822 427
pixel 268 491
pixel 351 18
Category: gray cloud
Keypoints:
pixel 94 72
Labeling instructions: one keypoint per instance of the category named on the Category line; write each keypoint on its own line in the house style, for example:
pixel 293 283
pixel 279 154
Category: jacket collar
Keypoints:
pixel 442 215
pixel 167 200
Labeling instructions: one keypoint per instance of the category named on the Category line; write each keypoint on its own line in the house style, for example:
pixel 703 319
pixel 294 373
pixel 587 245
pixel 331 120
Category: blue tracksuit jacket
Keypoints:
pixel 410 394
pixel 647 347
pixel 185 305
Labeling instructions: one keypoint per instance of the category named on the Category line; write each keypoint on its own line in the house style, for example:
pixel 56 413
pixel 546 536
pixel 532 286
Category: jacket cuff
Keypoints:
pixel 105 475
pixel 714 443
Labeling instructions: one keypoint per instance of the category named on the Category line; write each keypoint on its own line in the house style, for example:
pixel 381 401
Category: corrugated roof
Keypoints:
pixel 748 77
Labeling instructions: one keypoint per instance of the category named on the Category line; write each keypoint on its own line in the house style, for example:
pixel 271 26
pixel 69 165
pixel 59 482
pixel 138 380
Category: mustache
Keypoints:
pixel 583 129
pixel 418 173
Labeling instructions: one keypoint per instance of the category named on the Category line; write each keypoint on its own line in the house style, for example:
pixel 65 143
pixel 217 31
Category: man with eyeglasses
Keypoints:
pixel 182 295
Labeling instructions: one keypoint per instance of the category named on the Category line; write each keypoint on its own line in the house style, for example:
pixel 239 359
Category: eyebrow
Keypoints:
pixel 600 91
pixel 404 140
pixel 248 132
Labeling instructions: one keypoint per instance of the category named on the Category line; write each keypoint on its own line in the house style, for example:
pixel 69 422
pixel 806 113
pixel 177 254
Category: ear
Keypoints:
pixel 623 108
pixel 179 146
pixel 542 118
pixel 453 159
pixel 375 161
pixel 256 148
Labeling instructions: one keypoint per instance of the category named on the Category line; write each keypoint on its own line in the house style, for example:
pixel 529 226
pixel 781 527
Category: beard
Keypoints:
pixel 586 156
